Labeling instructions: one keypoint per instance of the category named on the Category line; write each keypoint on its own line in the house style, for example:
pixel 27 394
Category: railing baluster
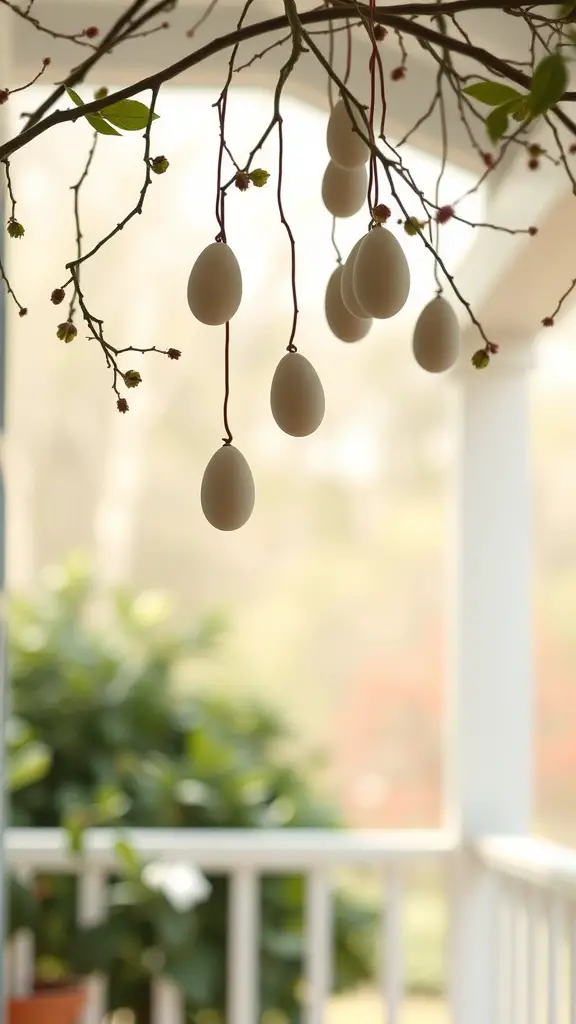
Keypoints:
pixel 555 930
pixel 92 907
pixel 21 973
pixel 392 959
pixel 503 961
pixel 572 965
pixel 521 950
pixel 531 961
pixel 243 948
pixel 167 1003
pixel 513 952
pixel 318 946
pixel 22 952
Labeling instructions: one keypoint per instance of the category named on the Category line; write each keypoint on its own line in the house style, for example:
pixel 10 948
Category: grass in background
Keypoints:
pixel 425 921
pixel 425 924
pixel 366 1008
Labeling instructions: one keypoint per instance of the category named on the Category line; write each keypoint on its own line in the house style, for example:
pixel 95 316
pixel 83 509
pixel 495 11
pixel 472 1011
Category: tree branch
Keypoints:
pixel 401 17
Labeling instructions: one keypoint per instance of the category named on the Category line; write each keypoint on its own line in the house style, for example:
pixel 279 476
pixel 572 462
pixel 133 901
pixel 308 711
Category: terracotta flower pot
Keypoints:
pixel 48 1006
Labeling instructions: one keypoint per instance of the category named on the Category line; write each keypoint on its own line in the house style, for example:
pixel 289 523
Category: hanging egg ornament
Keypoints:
pixel 344 192
pixel 215 285
pixel 345 146
pixel 297 396
pixel 227 492
pixel 381 276
pixel 340 321
pixel 436 338
pixel 347 284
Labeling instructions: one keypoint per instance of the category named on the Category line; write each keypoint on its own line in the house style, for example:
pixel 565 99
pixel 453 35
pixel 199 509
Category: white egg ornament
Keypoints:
pixel 436 338
pixel 344 192
pixel 347 284
pixel 341 322
pixel 227 492
pixel 381 276
pixel 297 396
pixel 345 146
pixel 215 285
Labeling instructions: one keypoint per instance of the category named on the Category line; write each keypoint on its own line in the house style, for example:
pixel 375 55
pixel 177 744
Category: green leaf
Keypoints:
pixel 520 110
pixel 74 826
pixel 28 765
pixel 95 120
pixel 497 123
pixel 207 753
pixel 549 84
pixel 50 969
pixel 100 125
pixel 283 944
pixel 174 930
pixel 493 94
pixel 75 97
pixel 130 115
pixel 99 947
pixel 109 803
pixel 128 857
pixel 23 906
pixel 196 970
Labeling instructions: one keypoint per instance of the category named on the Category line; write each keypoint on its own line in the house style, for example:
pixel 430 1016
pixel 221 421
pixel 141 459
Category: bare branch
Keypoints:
pixel 401 17
pixel 81 38
pixel 76 190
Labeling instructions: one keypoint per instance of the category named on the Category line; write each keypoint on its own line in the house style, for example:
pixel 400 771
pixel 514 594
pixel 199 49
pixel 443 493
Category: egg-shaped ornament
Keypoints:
pixel 436 338
pixel 345 146
pixel 347 284
pixel 297 396
pixel 215 285
pixel 344 192
pixel 227 492
pixel 381 276
pixel 340 321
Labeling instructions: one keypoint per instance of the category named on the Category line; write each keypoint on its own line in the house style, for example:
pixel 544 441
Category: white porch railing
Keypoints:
pixel 536 901
pixel 533 894
pixel 244 856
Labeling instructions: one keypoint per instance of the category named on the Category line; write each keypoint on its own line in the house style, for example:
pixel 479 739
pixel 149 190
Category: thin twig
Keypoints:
pixel 229 435
pixel 22 310
pixel 96 324
pixel 72 37
pixel 444 150
pixel 291 347
pixel 221 106
pixel 136 209
pixel 283 76
pixel 76 190
pixel 548 321
pixel 203 18
pixel 28 85
pixel 10 190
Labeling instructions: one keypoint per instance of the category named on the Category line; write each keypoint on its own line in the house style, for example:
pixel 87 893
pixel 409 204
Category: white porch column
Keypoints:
pixel 489 699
